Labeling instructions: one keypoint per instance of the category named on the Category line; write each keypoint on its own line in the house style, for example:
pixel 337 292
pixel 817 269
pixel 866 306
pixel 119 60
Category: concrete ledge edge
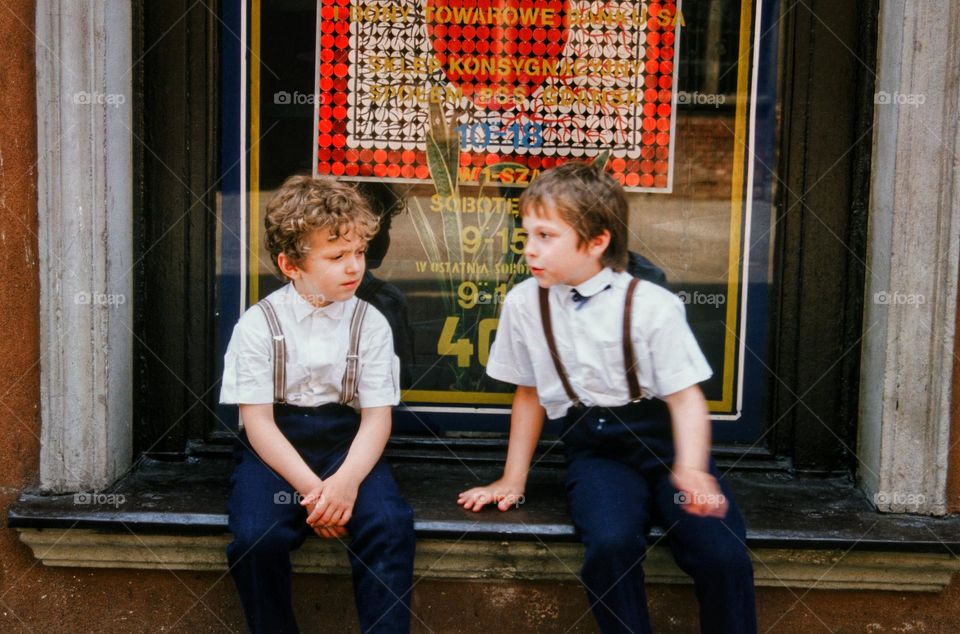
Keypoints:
pixel 491 560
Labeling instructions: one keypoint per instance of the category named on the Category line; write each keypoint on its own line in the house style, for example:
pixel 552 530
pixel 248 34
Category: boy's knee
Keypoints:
pixel 615 544
pixel 394 518
pixel 734 560
pixel 729 559
pixel 252 542
pixel 398 520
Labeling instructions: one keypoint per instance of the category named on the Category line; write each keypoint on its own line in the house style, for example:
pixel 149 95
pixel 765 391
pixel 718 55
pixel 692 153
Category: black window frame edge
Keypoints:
pixel 816 354
pixel 819 317
pixel 176 161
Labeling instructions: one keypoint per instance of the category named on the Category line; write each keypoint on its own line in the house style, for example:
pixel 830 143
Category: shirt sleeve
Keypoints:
pixel 509 359
pixel 677 360
pixel 248 364
pixel 379 383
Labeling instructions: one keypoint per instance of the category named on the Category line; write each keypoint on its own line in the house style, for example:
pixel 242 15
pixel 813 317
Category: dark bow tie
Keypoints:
pixel 581 300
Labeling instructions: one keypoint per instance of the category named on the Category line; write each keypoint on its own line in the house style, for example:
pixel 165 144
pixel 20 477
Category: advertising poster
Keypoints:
pixel 526 85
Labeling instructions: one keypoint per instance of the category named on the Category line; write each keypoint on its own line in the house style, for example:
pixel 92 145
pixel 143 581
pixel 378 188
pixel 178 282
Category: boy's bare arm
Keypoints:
pixel 526 424
pixel 274 448
pixel 690 419
pixel 335 496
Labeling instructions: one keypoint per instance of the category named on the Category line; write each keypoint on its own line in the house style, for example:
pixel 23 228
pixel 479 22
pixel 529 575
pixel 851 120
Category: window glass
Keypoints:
pixel 442 111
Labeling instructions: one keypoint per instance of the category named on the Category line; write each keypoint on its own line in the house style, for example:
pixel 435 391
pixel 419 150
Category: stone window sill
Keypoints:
pixel 813 533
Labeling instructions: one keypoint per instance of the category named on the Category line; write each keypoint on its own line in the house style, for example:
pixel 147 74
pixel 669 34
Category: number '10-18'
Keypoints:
pixel 481 134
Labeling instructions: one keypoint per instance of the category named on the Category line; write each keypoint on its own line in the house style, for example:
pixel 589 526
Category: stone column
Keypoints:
pixel 85 196
pixel 912 260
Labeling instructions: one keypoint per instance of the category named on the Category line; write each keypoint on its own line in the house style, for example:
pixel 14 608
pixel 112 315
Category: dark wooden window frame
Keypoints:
pixel 176 158
pixel 826 149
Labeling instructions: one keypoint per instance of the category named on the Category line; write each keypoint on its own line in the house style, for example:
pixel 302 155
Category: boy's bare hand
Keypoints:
pixel 503 494
pixel 330 505
pixel 698 492
pixel 330 532
pixel 327 532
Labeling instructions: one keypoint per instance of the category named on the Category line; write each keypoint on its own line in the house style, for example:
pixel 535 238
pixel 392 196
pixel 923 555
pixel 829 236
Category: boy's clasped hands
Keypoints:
pixel 330 505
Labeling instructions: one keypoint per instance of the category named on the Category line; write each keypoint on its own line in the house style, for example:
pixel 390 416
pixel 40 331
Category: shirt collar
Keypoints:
pixel 302 308
pixel 595 284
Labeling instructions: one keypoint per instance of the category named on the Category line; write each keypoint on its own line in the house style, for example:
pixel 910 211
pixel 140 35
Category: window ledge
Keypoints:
pixel 468 559
pixel 801 533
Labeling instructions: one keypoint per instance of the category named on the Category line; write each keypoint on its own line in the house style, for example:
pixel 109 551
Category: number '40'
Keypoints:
pixel 463 348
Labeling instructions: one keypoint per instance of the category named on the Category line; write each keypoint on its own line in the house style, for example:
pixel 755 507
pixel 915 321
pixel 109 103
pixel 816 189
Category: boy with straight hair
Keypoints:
pixel 301 364
pixel 613 357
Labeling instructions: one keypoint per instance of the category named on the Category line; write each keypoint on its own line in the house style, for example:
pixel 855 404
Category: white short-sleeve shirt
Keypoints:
pixel 589 342
pixel 316 346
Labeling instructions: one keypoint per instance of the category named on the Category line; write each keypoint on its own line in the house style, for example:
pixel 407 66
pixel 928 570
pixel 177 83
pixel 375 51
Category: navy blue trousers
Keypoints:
pixel 618 482
pixel 267 523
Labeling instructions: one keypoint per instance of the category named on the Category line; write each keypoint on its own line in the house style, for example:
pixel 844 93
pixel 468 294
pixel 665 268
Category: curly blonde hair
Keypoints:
pixel 305 204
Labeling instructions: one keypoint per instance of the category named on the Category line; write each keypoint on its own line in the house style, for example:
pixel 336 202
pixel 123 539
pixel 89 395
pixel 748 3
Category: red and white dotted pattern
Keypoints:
pixel 359 134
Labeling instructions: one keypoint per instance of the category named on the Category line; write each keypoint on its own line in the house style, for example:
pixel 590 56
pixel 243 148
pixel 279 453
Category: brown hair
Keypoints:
pixel 589 200
pixel 305 204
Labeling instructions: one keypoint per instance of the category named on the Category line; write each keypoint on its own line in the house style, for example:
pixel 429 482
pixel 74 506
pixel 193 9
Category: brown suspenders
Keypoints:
pixel 552 344
pixel 629 360
pixel 351 375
